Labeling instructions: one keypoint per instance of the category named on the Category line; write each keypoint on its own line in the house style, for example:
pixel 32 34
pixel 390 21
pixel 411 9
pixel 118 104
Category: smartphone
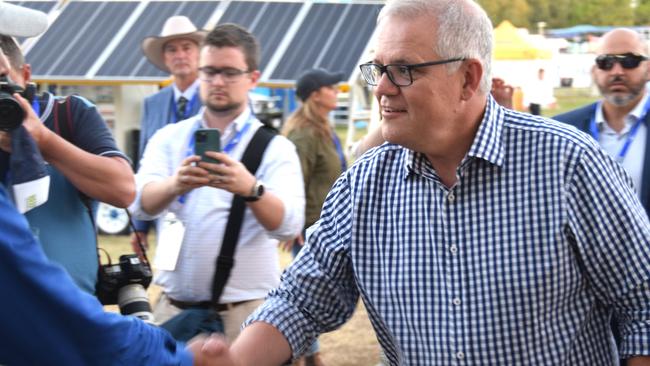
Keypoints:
pixel 207 139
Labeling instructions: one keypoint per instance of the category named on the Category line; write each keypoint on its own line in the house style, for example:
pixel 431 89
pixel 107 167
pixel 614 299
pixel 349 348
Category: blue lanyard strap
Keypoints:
pixel 36 106
pixel 595 133
pixel 188 107
pixel 339 151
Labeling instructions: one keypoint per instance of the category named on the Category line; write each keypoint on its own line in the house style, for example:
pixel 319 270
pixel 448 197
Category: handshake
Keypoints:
pixel 211 350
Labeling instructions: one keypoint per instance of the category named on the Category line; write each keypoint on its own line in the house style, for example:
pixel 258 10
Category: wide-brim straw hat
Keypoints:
pixel 175 27
pixel 18 21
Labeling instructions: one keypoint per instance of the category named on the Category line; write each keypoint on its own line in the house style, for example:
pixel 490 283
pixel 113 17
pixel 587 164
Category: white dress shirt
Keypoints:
pixel 205 210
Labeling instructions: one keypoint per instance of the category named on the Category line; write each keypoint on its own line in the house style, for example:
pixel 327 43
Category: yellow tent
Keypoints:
pixel 510 44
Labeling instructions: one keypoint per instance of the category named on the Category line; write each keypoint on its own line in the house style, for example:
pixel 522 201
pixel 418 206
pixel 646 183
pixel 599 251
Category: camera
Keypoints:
pixel 125 284
pixel 11 113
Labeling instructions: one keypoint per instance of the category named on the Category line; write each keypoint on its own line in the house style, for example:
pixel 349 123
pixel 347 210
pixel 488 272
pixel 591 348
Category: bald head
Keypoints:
pixel 622 73
pixel 622 40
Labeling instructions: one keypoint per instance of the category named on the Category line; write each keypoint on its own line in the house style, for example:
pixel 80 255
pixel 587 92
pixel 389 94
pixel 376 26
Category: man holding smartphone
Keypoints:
pixel 171 179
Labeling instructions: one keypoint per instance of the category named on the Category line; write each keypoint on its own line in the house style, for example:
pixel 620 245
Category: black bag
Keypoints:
pixel 202 319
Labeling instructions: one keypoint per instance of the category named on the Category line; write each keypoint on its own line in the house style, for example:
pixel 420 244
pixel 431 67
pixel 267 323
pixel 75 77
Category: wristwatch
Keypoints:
pixel 256 192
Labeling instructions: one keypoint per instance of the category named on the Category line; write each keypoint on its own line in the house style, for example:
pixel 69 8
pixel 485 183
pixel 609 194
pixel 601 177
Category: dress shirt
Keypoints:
pixel 205 210
pixel 47 320
pixel 613 141
pixel 521 262
pixel 188 93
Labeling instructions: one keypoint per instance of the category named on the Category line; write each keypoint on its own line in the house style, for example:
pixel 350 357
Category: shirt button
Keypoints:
pixel 451 197
pixel 460 355
pixel 453 249
pixel 456 301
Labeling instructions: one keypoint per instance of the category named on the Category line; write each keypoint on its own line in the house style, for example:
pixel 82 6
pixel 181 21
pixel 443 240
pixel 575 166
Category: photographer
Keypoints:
pixel 41 299
pixel 84 165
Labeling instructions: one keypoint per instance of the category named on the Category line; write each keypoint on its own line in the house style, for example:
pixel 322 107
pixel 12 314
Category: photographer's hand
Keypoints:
pixel 33 124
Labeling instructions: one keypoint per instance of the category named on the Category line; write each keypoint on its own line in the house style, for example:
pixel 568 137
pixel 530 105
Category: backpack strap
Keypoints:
pixel 226 260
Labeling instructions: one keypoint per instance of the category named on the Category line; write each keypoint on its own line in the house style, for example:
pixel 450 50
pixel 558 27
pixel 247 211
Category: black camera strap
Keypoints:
pixel 225 261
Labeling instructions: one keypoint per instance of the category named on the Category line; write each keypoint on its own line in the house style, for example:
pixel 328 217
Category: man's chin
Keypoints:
pixel 222 108
pixel 620 100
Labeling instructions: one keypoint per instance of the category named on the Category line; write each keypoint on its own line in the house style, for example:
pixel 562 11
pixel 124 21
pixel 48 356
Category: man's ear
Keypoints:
pixel 255 76
pixel 26 72
pixel 472 74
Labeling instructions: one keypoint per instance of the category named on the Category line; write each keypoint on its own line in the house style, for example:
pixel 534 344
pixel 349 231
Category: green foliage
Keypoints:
pixel 567 13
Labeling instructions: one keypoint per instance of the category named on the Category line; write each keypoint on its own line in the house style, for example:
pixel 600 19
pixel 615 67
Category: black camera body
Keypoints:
pixel 124 284
pixel 11 113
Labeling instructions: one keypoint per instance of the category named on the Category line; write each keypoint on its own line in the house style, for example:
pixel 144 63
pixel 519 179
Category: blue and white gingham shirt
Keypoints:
pixel 520 263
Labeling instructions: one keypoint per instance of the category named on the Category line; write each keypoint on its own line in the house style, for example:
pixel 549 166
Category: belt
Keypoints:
pixel 205 304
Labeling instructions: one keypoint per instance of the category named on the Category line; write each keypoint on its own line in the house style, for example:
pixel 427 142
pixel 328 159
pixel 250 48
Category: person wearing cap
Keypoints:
pixel 321 155
pixel 84 164
pixel 171 180
pixel 176 51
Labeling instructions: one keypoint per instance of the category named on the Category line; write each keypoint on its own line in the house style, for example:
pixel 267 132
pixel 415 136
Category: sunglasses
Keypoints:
pixel 627 61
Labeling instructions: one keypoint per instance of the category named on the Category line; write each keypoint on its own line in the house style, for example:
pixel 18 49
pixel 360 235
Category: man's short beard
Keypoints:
pixel 223 108
pixel 621 100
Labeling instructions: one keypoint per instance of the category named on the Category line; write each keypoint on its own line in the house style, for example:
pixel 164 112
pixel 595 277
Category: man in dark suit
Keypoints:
pixel 176 51
pixel 620 121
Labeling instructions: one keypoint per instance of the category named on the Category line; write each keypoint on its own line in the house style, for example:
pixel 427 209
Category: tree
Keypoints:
pixel 642 13
pixel 516 11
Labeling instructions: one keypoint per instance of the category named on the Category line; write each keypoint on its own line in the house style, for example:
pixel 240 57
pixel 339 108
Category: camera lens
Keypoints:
pixel 201 136
pixel 133 300
pixel 11 114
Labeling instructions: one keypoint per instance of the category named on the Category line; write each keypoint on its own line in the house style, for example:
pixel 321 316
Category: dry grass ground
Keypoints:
pixel 352 345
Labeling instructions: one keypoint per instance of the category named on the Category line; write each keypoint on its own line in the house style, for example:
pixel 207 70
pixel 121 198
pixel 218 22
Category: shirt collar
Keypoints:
pixel 235 125
pixel 635 113
pixel 188 93
pixel 487 144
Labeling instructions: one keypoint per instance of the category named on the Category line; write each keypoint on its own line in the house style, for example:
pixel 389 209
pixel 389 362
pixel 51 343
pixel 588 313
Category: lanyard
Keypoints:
pixel 339 151
pixel 36 106
pixel 188 107
pixel 227 149
pixel 595 133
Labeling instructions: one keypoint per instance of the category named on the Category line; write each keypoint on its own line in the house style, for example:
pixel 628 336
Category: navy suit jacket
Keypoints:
pixel 157 113
pixel 581 118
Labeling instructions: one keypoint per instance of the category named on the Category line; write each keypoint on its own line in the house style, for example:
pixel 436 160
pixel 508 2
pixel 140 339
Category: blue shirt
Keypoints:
pixel 521 262
pixel 47 320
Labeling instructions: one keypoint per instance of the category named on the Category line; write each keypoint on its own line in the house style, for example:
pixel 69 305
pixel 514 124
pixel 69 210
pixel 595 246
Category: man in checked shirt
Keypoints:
pixel 477 235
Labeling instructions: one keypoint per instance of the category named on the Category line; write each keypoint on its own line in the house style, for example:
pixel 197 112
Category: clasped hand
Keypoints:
pixel 230 174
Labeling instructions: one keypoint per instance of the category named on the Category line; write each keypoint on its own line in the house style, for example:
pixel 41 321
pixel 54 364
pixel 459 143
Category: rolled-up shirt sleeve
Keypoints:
pixel 318 292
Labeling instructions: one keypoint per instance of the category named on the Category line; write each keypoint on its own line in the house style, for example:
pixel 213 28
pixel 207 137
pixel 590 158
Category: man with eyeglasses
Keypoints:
pixel 171 179
pixel 477 235
pixel 620 121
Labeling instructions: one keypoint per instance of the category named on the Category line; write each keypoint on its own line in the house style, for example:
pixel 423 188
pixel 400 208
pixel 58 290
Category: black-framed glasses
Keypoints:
pixel 398 74
pixel 228 74
pixel 627 60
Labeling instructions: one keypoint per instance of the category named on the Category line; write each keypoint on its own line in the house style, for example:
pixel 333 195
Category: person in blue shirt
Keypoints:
pixel 47 320
pixel 84 167
pixel 477 235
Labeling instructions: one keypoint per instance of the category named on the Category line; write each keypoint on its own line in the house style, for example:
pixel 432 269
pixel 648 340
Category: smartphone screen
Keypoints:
pixel 207 139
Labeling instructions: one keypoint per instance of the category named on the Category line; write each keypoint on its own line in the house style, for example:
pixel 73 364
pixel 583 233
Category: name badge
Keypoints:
pixel 170 239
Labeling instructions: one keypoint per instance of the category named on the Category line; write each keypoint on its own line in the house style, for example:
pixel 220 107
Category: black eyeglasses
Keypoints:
pixel 398 74
pixel 627 61
pixel 228 74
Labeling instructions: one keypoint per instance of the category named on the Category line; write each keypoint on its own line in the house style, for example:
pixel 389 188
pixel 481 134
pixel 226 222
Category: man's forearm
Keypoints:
pixel 157 196
pixel 639 361
pixel 107 179
pixel 261 344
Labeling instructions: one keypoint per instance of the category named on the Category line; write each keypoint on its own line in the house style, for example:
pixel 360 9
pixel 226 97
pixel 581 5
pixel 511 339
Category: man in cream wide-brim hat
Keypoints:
pixel 175 51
